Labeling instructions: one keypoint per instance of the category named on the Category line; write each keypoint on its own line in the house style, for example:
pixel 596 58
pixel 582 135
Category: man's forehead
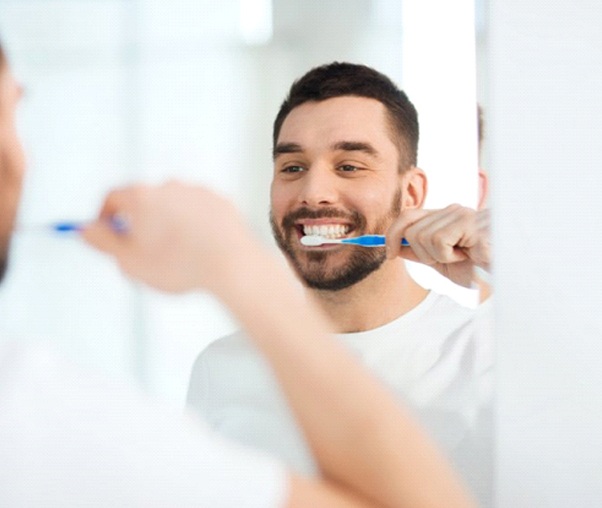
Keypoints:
pixel 340 119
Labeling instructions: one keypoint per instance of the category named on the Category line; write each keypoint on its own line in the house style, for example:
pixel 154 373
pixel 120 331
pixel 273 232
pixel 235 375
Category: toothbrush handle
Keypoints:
pixel 67 227
pixel 371 241
pixel 118 224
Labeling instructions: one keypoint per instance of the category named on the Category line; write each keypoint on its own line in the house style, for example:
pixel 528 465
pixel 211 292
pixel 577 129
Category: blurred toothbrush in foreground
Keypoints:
pixel 119 224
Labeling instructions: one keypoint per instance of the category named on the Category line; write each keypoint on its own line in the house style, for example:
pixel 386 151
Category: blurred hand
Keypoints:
pixel 178 237
pixel 452 241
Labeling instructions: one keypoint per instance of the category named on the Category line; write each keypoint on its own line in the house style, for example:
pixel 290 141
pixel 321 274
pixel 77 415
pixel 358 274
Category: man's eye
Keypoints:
pixel 292 169
pixel 348 168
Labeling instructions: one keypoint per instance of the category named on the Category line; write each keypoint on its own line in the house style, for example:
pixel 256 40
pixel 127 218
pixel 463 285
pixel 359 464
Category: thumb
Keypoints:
pixel 103 237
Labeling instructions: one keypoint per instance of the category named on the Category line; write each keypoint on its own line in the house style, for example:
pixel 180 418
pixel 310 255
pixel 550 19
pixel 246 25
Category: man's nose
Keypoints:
pixel 319 187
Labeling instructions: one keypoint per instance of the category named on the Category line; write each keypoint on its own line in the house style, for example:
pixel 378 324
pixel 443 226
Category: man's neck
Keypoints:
pixel 380 298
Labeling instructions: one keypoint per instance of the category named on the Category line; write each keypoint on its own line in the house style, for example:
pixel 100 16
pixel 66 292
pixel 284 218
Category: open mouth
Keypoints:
pixel 331 231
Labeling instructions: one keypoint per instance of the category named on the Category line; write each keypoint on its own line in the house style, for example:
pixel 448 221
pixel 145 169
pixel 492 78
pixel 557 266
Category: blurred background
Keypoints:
pixel 119 91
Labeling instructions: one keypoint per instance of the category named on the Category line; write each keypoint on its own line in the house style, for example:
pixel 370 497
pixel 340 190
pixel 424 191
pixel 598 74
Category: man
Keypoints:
pixel 69 438
pixel 345 149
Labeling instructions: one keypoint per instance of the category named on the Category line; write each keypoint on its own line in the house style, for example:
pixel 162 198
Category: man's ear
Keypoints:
pixel 483 189
pixel 413 188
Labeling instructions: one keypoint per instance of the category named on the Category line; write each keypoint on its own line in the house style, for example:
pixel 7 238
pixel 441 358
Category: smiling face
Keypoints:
pixel 12 161
pixel 336 174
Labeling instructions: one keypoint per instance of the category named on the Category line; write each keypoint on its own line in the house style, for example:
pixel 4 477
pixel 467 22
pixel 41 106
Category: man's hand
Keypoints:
pixel 176 238
pixel 453 240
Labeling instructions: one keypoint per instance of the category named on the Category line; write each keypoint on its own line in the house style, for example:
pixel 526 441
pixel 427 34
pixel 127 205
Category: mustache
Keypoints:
pixel 354 217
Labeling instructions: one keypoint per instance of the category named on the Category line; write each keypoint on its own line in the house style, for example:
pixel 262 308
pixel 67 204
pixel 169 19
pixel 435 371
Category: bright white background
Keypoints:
pixel 127 90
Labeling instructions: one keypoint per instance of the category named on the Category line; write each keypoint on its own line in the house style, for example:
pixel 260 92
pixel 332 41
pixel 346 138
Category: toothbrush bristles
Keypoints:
pixel 314 240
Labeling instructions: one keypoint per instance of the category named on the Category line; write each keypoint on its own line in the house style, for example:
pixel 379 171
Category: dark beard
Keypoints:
pixel 361 264
pixel 362 261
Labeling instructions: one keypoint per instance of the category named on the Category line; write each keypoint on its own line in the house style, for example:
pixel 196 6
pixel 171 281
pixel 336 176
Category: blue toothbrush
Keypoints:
pixel 364 241
pixel 119 225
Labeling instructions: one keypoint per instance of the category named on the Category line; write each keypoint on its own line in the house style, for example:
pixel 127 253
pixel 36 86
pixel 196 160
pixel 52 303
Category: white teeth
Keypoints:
pixel 326 230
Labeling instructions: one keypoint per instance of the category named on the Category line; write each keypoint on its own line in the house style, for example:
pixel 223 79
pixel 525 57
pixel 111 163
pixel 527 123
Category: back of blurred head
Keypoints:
pixel 12 160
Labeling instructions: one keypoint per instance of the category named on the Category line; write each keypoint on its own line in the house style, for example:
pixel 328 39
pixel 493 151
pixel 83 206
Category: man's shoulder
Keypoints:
pixel 231 353
pixel 438 331
pixel 436 316
pixel 232 345
pixel 445 306
pixel 454 320
pixel 225 368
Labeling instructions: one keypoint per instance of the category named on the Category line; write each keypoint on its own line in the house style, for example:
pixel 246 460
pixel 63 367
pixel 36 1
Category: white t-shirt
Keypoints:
pixel 435 358
pixel 69 438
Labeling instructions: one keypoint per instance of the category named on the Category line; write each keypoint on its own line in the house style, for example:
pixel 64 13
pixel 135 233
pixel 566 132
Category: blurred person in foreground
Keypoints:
pixel 70 438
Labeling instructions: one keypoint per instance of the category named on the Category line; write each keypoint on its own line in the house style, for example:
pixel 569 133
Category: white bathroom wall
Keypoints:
pixel 545 125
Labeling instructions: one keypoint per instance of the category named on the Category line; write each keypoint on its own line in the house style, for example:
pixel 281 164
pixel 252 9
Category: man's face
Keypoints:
pixel 12 162
pixel 336 174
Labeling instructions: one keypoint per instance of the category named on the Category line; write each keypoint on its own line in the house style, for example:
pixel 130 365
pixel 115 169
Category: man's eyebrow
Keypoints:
pixel 282 148
pixel 356 146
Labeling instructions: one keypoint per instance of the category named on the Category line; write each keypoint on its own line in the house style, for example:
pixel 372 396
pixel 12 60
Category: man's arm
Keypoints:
pixel 186 238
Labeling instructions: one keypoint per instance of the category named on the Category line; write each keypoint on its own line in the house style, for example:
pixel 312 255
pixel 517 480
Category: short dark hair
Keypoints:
pixel 340 79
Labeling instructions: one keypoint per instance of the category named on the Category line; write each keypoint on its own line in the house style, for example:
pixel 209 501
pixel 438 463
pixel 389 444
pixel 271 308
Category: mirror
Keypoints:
pixel 119 91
